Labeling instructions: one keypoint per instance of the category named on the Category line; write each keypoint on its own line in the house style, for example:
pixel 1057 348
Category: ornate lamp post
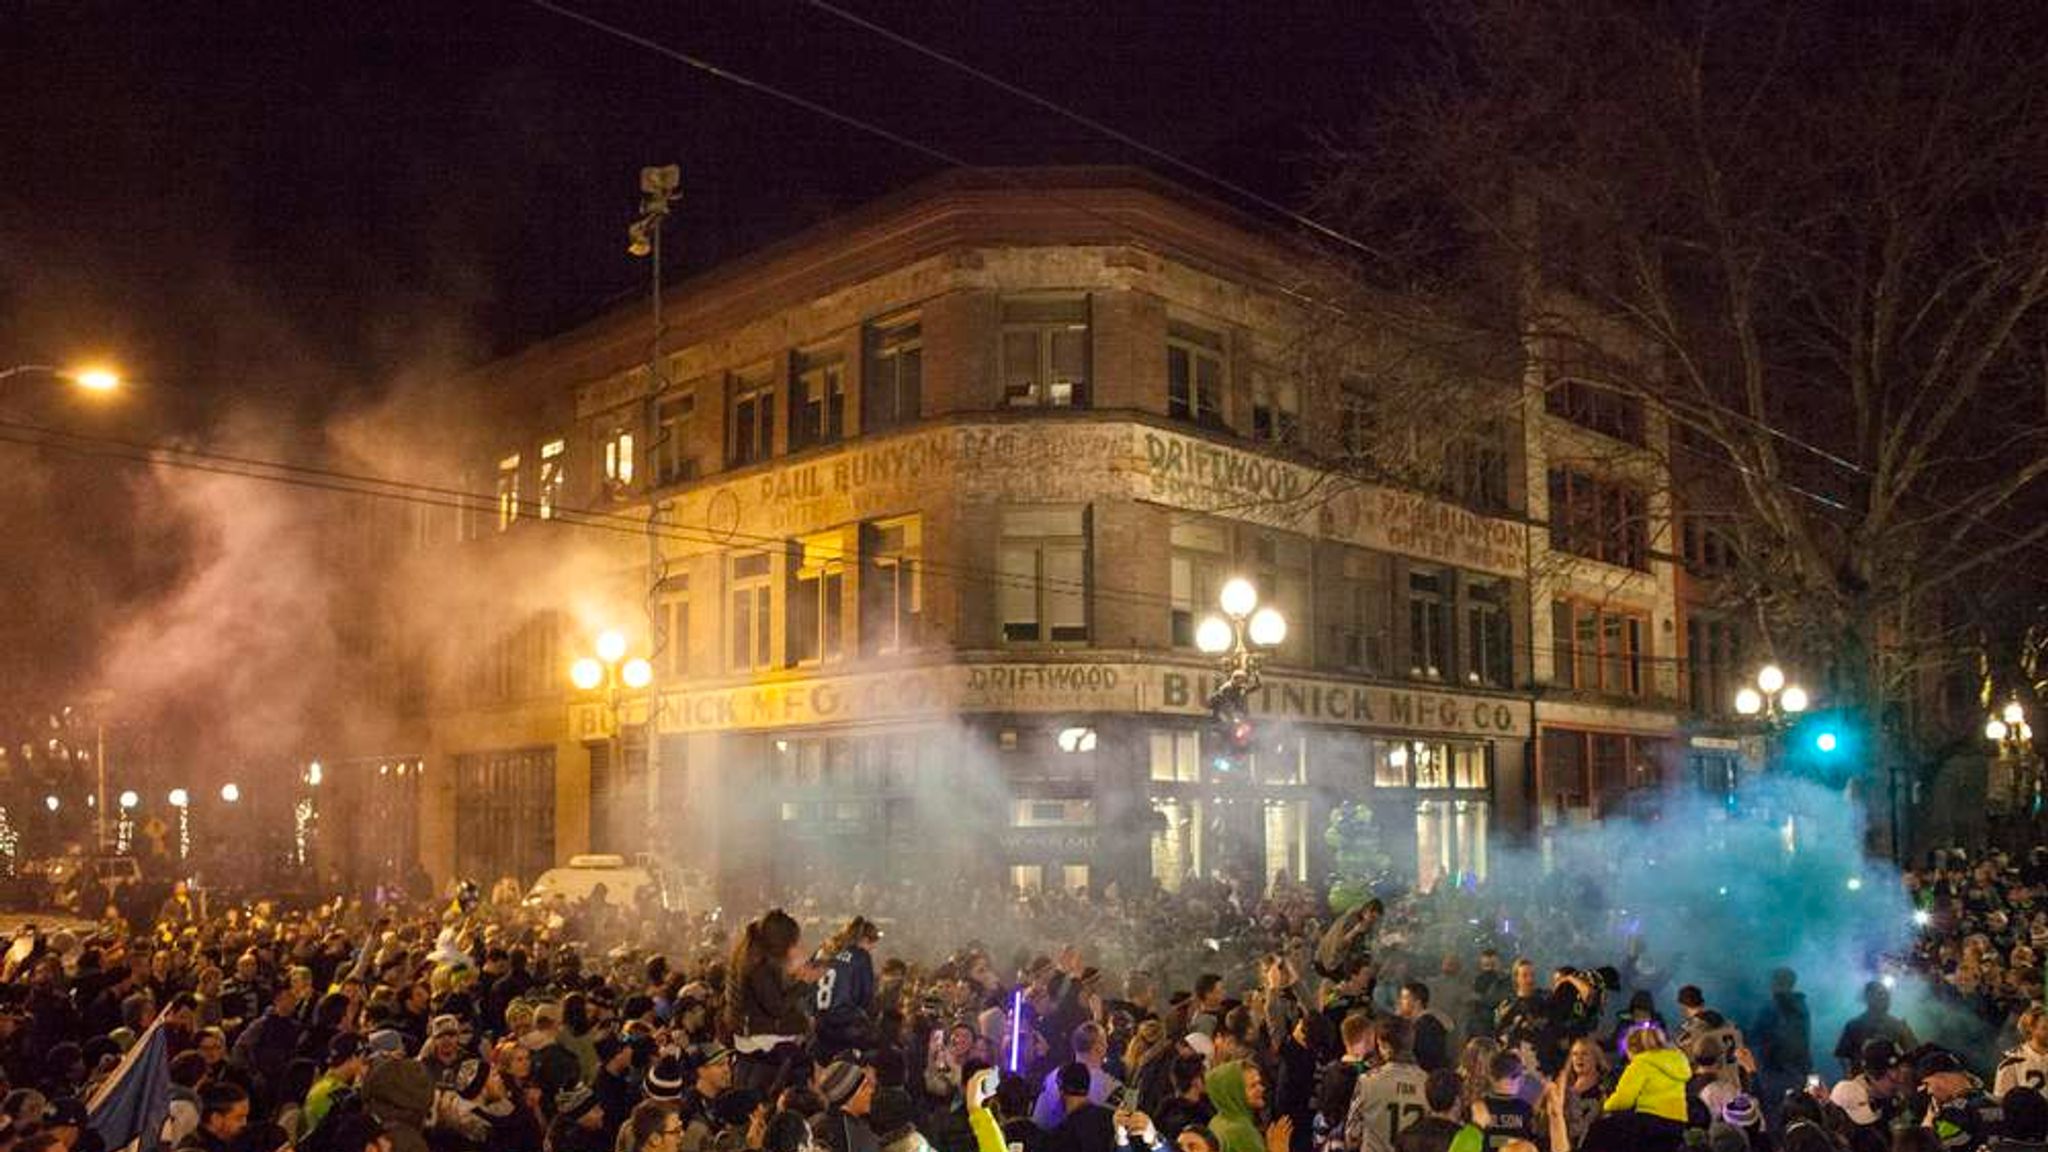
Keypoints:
pixel 615 673
pixel 2013 738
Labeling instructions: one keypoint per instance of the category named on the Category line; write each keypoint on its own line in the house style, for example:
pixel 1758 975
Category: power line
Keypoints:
pixel 1095 125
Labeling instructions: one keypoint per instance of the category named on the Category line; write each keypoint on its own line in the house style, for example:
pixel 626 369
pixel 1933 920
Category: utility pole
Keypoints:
pixel 660 187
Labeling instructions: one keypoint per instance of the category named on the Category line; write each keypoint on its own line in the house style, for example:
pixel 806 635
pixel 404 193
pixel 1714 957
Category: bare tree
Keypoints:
pixel 1814 236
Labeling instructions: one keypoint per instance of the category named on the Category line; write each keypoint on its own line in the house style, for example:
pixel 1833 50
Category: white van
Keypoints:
pixel 623 882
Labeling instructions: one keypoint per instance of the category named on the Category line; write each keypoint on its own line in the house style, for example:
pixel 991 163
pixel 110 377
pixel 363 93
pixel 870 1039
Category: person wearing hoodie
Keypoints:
pixel 1783 1034
pixel 1651 1092
pixel 1237 1092
pixel 400 1094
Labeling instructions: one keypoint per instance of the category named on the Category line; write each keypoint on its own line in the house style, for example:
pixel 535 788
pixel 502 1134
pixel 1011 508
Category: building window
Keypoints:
pixel 1042 574
pixel 1199 561
pixel 1194 374
pixel 508 491
pixel 1360 621
pixel 1357 426
pixel 673 417
pixel 1429 623
pixel 1601 409
pixel 817 599
pixel 617 446
pixel 749 623
pixel 1276 408
pixel 892 384
pixel 1045 352
pixel 1705 546
pixel 817 400
pixel 552 470
pixel 1476 469
pixel 1286 840
pixel 1280 760
pixel 1597 649
pixel 1176 840
pixel 674 647
pixel 1450 842
pixel 1391 765
pixel 1598 520
pixel 892 591
pixel 753 420
pixel 1713 659
pixel 1280 565
pixel 1176 756
pixel 1489 637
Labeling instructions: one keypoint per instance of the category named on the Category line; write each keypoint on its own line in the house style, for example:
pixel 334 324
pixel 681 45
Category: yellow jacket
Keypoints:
pixel 1653 1084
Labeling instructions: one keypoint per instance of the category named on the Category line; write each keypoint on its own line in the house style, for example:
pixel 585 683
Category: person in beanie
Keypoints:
pixel 442 1053
pixel 665 1080
pixel 579 1122
pixel 710 1078
pixel 1746 1116
pixel 849 1092
pixel 1084 1126
pixel 894 1119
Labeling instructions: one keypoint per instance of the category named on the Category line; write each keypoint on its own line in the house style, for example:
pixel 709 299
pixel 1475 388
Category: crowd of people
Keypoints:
pixel 879 1021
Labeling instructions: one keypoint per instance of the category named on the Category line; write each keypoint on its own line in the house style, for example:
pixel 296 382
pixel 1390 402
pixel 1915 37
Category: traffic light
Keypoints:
pixel 1231 730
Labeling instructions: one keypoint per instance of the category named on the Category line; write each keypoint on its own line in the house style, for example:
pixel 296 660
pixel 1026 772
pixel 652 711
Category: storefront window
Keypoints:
pixel 1027 877
pixel 1281 761
pixel 1286 840
pixel 1074 877
pixel 1176 841
pixel 1390 765
pixel 1177 757
pixel 1450 841
pixel 1430 764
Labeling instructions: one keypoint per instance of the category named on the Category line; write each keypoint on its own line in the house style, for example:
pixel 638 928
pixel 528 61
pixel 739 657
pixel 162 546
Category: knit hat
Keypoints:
pixel 443 1025
pixel 386 1042
pixel 574 1101
pixel 1075 1079
pixel 734 1107
pixel 1722 1138
pixel 841 1080
pixel 1742 1112
pixel 345 1047
pixel 709 1052
pixel 892 1116
pixel 665 1079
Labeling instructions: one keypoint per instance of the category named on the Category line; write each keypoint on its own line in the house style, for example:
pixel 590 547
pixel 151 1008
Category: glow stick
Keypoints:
pixel 1016 1031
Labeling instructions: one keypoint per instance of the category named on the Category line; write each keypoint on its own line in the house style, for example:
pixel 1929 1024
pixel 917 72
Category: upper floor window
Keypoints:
pixel 1194 374
pixel 552 472
pixel 749 619
pixel 672 649
pixel 892 587
pixel 1356 425
pixel 1597 649
pixel 1359 620
pixel 1429 623
pixel 1279 565
pixel 1714 663
pixel 674 419
pixel 1476 469
pixel 1042 575
pixel 892 383
pixel 817 599
pixel 1489 632
pixel 1045 352
pixel 1707 547
pixel 1276 408
pixel 616 445
pixel 1599 408
pixel 817 400
pixel 1200 563
pixel 753 419
pixel 508 491
pixel 1599 520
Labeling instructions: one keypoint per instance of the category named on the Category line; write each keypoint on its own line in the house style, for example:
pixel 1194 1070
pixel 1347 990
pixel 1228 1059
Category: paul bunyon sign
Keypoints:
pixel 936 692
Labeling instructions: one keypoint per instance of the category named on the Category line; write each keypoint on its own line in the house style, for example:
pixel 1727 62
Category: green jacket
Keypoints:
pixel 1234 1126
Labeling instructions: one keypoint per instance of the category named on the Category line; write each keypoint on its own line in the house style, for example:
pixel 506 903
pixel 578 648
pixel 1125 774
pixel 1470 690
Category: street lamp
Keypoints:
pixel 230 792
pixel 90 379
pixel 1239 640
pixel 614 671
pixel 2009 731
pixel 182 801
pixel 1772 697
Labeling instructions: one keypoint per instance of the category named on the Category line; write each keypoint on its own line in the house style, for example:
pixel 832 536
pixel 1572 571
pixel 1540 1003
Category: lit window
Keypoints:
pixel 1198 565
pixel 618 458
pixel 1276 408
pixel 508 491
pixel 1176 756
pixel 1429 623
pixel 1595 649
pixel 1489 637
pixel 551 473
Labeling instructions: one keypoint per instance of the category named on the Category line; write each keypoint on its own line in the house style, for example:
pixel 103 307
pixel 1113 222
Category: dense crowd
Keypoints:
pixel 953 1020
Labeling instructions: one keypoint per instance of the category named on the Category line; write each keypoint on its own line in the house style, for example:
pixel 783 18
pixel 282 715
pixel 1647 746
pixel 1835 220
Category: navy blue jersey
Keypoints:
pixel 847 986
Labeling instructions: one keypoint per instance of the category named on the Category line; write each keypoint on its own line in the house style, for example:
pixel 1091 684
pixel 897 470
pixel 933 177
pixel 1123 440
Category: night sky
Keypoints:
pixel 289 201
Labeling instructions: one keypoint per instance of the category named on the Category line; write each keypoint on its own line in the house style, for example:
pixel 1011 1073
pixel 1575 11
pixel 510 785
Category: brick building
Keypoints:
pixel 915 520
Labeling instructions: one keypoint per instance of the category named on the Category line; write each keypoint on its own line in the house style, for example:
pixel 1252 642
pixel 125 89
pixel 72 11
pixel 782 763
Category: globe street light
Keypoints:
pixel 1772 697
pixel 612 670
pixel 2013 737
pixel 129 800
pixel 230 793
